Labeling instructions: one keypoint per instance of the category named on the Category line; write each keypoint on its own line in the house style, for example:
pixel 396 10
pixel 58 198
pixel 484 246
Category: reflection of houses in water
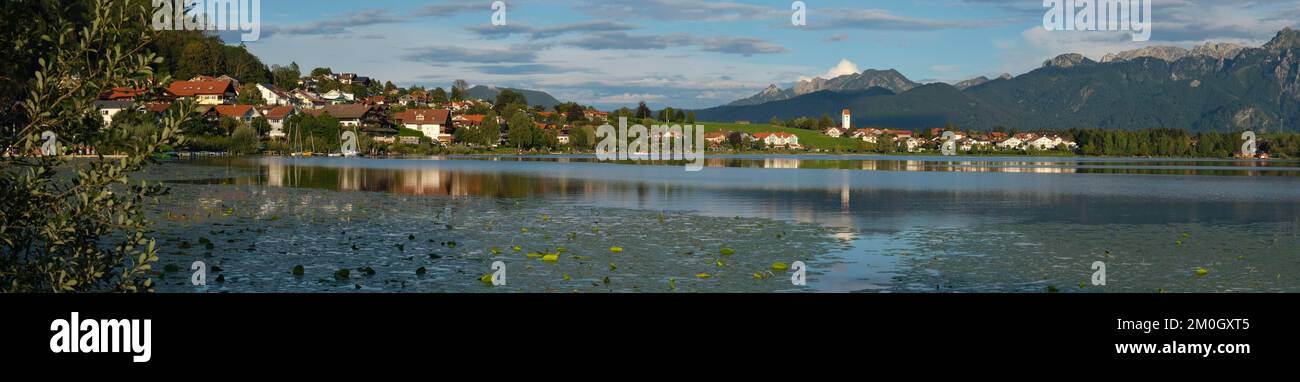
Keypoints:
pixel 422 182
pixel 1038 168
pixel 780 163
pixel 845 193
pixel 351 179
pixel 275 174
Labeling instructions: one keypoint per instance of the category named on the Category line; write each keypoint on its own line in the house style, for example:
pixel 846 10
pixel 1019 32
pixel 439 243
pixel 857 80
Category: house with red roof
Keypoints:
pixel 242 113
pixel 595 115
pixel 217 92
pixel 276 115
pixel 433 123
pixel 715 138
pixel 465 120
pixel 123 93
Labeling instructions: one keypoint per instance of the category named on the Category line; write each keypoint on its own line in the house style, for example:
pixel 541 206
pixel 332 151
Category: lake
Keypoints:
pixel 859 223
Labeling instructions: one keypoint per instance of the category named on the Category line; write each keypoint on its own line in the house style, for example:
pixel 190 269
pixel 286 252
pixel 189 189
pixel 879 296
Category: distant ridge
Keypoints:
pixel 535 97
pixel 887 79
pixel 1212 87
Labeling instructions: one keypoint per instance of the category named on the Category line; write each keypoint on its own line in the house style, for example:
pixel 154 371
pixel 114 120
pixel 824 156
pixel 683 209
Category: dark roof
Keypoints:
pixel 431 116
pixel 114 104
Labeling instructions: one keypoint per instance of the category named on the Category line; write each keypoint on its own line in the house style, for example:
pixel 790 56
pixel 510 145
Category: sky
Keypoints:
pixel 701 53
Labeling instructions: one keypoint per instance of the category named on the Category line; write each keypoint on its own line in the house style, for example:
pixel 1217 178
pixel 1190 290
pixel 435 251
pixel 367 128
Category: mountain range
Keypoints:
pixel 887 79
pixel 1212 87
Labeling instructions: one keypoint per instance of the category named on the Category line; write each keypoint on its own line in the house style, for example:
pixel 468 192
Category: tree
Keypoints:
pixel 690 118
pixel 81 231
pixel 286 77
pixel 261 126
pixel 198 59
pixel 457 95
pixel 680 116
pixel 509 97
pixel 826 122
pixel 228 125
pixel 736 139
pixel 520 131
pixel 244 141
pixel 643 111
pixel 667 114
pixel 490 130
pixel 439 96
pixel 250 95
pixel 321 72
pixel 469 135
pixel 583 137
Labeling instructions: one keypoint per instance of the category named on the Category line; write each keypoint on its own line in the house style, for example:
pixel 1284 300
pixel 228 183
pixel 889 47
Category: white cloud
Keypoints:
pixel 629 98
pixel 844 67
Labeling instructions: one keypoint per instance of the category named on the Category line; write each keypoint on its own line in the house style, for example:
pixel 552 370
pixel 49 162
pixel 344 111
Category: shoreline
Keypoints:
pixel 829 156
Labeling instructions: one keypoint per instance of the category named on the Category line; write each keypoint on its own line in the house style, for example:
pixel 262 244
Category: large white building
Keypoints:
pixel 847 121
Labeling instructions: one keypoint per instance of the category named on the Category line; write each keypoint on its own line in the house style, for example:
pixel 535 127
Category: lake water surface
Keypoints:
pixel 861 223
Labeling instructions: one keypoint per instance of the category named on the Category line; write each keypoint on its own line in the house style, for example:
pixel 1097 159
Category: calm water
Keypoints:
pixel 873 224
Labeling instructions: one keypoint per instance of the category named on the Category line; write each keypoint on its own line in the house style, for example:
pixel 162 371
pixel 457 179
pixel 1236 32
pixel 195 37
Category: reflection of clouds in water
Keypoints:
pixel 887 208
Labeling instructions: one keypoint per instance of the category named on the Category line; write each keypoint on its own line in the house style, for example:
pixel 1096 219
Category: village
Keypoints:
pixel 900 141
pixel 395 120
pixel 394 116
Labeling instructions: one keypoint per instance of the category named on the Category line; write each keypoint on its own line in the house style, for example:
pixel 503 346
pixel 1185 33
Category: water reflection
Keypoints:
pixel 1064 165
pixel 1008 214
pixel 786 188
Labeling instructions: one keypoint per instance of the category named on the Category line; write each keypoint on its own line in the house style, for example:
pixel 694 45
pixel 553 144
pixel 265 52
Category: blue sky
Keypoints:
pixel 700 53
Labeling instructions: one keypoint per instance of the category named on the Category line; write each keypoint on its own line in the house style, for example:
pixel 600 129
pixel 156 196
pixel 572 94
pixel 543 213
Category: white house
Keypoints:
pixel 866 135
pixel 1011 143
pixel 205 92
pixel 778 139
pixel 108 109
pixel 1048 142
pixel 276 115
pixel 308 99
pixel 433 123
pixel 242 113
pixel 338 97
pixel 914 144
pixel 274 95
pixel 834 132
